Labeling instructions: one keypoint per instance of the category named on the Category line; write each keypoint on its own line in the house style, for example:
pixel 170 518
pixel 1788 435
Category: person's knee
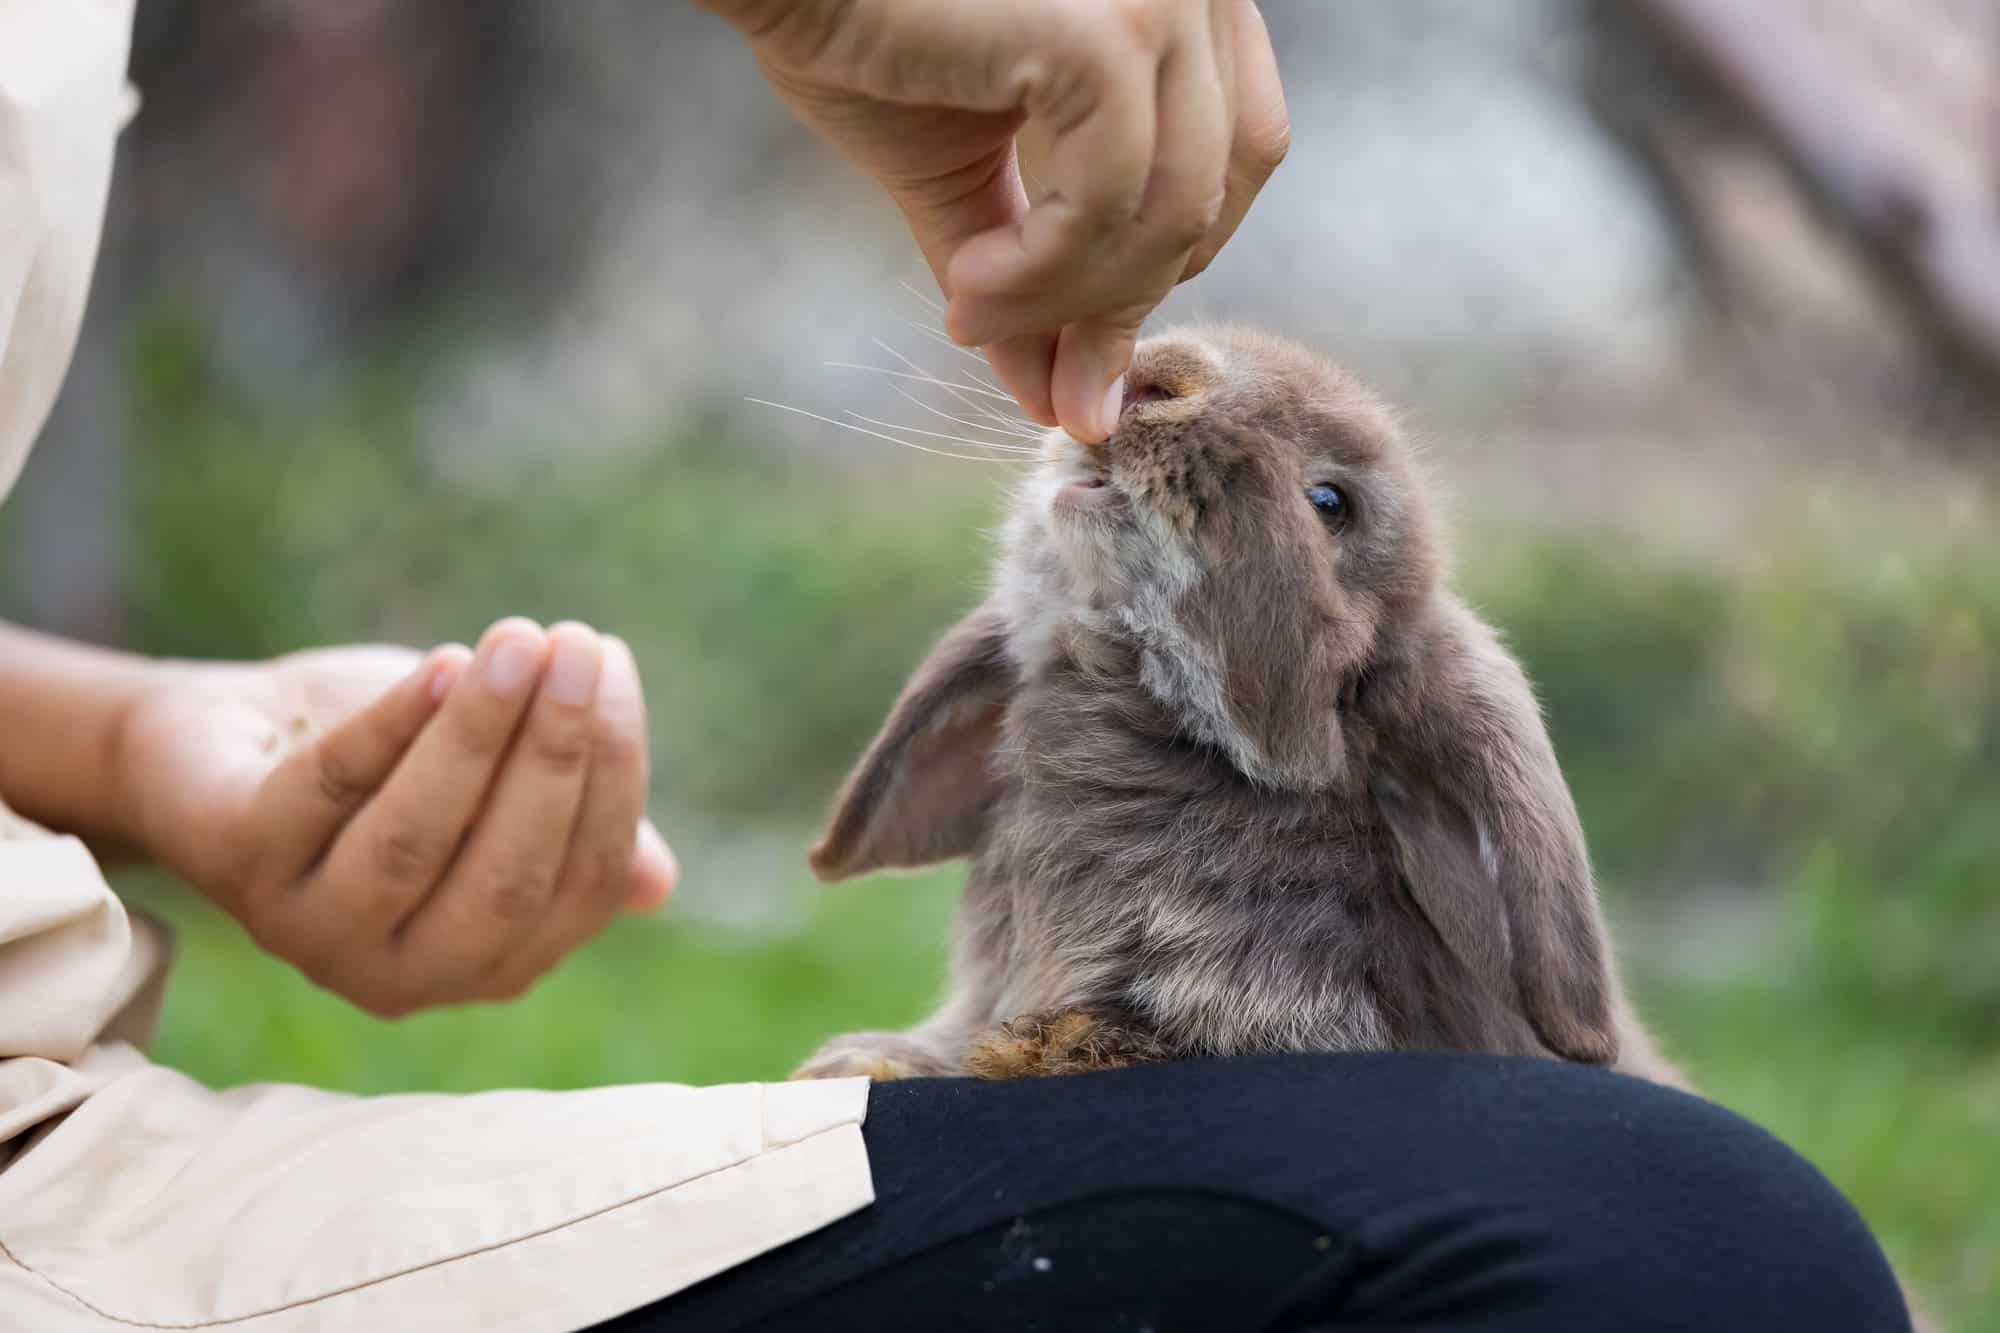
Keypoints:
pixel 1603 1194
pixel 1565 1193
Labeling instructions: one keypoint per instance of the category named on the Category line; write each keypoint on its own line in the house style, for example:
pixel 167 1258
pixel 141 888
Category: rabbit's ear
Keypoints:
pixel 1490 846
pixel 922 792
pixel 1499 869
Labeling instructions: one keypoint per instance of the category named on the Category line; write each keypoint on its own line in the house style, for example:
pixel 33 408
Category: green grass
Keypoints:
pixel 650 999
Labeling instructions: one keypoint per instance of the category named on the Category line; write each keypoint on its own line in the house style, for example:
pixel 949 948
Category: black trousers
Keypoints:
pixel 1390 1191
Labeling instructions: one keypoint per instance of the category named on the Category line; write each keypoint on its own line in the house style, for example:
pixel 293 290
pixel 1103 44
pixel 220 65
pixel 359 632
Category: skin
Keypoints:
pixel 1149 127
pixel 407 829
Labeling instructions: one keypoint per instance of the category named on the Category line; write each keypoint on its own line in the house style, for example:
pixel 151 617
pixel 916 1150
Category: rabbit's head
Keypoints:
pixel 1252 530
pixel 1236 554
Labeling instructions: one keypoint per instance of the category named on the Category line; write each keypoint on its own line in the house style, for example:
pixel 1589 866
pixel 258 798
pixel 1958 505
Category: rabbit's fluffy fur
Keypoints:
pixel 1235 773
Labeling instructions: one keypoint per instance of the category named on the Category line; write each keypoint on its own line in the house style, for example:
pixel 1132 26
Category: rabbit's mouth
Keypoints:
pixel 1092 494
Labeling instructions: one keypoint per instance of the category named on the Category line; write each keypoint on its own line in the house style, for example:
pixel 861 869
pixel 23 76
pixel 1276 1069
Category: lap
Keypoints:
pixel 1317 1192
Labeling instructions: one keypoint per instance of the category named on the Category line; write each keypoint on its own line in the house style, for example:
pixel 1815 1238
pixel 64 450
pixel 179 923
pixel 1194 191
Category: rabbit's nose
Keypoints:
pixel 1140 391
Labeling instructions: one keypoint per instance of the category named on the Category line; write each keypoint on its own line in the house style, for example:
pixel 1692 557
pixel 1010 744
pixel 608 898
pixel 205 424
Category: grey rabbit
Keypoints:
pixel 1236 770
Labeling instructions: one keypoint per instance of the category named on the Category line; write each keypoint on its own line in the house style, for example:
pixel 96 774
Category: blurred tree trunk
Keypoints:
pixel 1832 166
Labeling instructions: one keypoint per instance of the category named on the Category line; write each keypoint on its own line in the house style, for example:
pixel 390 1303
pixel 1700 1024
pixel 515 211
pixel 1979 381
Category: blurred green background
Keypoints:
pixel 1756 579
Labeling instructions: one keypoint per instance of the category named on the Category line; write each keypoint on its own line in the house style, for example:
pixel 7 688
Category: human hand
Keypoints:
pixel 1161 120
pixel 408 830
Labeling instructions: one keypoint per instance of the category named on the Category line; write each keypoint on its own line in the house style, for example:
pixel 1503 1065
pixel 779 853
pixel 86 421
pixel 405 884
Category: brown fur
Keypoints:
pixel 1069 1042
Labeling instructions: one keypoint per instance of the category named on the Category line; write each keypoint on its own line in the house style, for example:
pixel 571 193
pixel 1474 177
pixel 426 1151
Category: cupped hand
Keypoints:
pixel 1158 121
pixel 408 830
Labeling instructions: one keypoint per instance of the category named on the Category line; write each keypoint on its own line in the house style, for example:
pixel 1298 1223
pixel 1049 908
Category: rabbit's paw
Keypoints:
pixel 877 1055
pixel 1069 1041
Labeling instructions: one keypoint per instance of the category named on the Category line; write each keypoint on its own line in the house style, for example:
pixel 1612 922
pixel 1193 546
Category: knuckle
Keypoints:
pixel 482 727
pixel 601 869
pixel 402 855
pixel 336 781
pixel 1190 226
pixel 518 895
pixel 1266 149
pixel 563 751
pixel 1106 221
pixel 1134 20
pixel 616 751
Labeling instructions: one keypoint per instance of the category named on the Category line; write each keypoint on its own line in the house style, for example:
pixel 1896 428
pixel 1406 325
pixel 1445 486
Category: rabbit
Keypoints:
pixel 1236 771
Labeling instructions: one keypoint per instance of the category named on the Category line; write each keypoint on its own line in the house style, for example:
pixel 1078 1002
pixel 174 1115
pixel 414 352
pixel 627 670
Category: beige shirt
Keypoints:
pixel 132 1196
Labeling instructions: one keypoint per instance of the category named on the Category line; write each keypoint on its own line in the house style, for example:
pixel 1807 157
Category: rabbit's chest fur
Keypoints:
pixel 1156 879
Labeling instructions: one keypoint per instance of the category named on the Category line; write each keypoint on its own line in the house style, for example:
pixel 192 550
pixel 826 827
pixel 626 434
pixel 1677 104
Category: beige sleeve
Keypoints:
pixel 158 1203
pixel 133 1197
pixel 63 99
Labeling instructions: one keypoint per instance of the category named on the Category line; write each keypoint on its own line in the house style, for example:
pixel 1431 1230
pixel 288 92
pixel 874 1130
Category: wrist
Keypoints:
pixel 121 823
pixel 63 712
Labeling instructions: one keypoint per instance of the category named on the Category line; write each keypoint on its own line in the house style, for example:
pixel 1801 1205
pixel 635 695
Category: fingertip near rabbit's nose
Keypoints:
pixel 1113 407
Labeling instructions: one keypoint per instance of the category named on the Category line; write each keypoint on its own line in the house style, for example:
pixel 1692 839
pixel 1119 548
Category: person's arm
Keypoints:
pixel 61 709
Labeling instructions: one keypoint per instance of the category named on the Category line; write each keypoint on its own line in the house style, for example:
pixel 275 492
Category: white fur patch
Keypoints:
pixel 1125 578
pixel 1489 856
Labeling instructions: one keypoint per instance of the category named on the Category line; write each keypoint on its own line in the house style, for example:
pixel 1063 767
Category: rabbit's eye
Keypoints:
pixel 1330 501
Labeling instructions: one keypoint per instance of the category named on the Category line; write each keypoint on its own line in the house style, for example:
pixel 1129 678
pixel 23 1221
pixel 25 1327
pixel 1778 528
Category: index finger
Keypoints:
pixel 385 861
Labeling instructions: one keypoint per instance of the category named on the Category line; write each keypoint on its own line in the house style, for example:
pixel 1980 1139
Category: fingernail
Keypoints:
pixel 623 652
pixel 1114 407
pixel 573 671
pixel 509 663
pixel 649 893
pixel 446 667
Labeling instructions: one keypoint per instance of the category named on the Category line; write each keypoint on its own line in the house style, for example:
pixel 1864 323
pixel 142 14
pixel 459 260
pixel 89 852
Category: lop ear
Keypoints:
pixel 1490 845
pixel 922 792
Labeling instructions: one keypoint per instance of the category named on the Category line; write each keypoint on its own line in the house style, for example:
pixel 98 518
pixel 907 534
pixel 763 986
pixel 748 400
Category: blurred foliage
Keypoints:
pixel 1825 714
pixel 771 611
pixel 1813 722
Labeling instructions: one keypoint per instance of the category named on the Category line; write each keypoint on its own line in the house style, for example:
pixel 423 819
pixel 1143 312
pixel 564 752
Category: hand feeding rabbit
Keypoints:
pixel 1236 771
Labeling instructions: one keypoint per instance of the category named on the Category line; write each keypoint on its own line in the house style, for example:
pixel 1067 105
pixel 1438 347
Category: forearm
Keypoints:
pixel 61 706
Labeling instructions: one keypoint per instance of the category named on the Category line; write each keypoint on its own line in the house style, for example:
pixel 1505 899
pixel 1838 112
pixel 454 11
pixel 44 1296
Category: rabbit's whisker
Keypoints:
pixel 969 353
pixel 1000 394
pixel 940 435
pixel 932 302
pixel 953 387
pixel 920 378
pixel 998 428
pixel 862 430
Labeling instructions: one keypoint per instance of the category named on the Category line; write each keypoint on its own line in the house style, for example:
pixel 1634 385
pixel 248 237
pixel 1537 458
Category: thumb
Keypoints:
pixel 655 871
pixel 317 787
pixel 1088 381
